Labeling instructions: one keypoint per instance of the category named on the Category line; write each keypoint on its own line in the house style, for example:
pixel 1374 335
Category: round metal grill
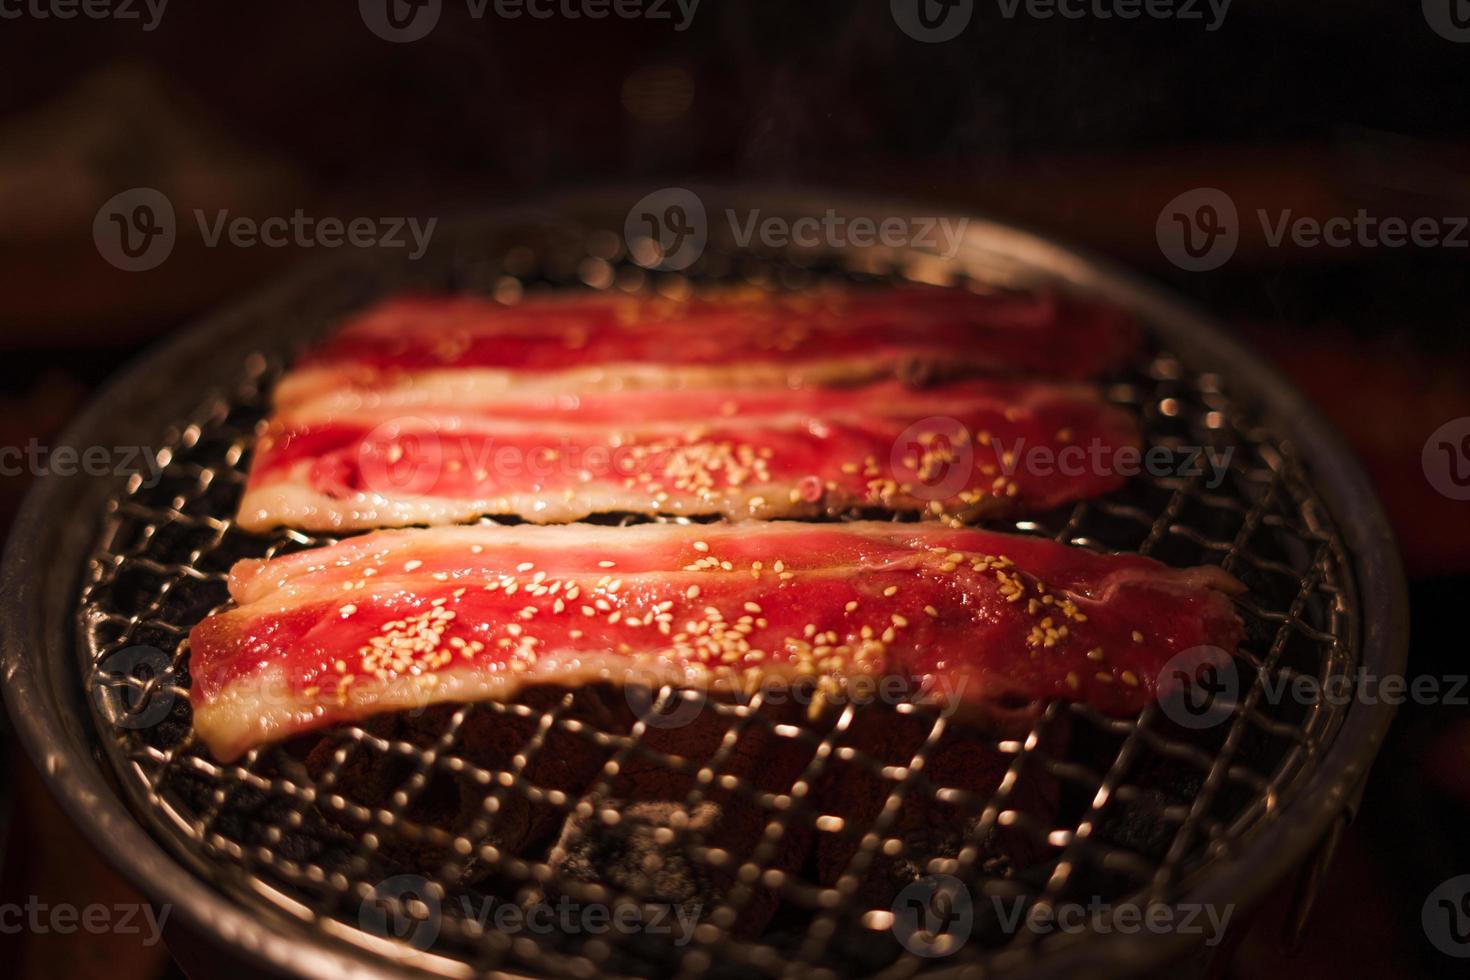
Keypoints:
pixel 399 821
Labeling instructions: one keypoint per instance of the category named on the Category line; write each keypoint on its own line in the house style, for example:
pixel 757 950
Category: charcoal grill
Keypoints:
pixel 254 855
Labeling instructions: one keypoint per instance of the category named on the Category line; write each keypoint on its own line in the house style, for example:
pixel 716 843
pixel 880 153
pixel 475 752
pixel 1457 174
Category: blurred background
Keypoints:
pixel 1085 128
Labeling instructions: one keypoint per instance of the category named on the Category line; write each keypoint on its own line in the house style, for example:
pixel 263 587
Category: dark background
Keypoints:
pixel 1084 129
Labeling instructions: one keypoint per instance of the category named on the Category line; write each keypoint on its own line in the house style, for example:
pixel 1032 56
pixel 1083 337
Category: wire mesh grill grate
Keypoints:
pixel 413 819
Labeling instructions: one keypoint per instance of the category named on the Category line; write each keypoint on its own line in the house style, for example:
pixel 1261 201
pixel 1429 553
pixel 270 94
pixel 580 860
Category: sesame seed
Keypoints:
pixel 701 546
pixel 891 590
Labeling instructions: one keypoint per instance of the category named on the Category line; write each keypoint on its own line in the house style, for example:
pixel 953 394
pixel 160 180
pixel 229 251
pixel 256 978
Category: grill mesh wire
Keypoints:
pixel 1144 807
